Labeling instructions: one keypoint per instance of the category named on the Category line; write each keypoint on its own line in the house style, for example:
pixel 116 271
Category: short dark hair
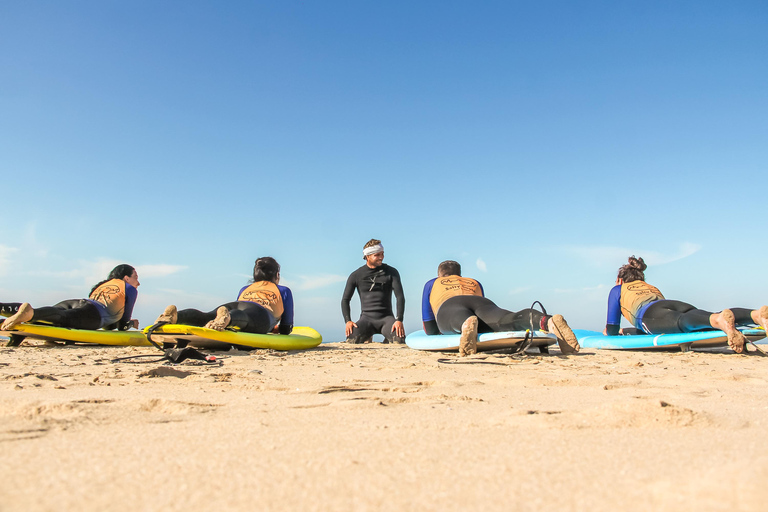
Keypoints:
pixel 449 268
pixel 634 270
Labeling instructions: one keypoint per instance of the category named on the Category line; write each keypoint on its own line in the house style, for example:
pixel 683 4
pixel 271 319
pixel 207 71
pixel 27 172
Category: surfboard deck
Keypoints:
pixel 301 338
pixel 98 337
pixel 683 341
pixel 419 340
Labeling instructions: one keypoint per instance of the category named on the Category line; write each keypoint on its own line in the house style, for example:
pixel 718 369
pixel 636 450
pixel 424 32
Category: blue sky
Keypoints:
pixel 538 143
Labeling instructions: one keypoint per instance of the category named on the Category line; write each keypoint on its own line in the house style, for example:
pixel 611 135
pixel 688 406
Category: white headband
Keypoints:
pixel 373 250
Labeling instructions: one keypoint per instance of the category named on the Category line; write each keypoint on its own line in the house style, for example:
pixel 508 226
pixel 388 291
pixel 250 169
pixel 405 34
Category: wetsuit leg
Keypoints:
pixel 384 326
pixel 500 320
pixel 698 320
pixel 9 308
pixel 73 314
pixel 246 316
pixel 453 312
pixel 743 316
pixel 195 317
pixel 491 318
pixel 250 317
pixel 671 316
pixel 364 330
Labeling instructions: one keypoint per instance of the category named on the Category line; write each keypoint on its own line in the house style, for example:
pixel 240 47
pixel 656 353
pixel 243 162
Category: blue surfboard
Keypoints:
pixel 702 339
pixel 420 340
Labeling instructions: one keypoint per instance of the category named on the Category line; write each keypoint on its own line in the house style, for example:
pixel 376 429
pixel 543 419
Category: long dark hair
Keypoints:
pixel 119 272
pixel 266 269
pixel 634 270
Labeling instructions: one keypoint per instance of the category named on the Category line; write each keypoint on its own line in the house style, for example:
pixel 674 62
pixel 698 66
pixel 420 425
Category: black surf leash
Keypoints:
pixel 758 348
pixel 173 355
pixel 528 341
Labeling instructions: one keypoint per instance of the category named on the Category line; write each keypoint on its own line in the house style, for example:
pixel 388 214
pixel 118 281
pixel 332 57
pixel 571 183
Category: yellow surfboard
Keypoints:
pixel 300 338
pixel 98 337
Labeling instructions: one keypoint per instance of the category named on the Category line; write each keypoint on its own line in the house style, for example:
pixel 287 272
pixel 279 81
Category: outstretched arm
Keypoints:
pixel 613 323
pixel 427 315
pixel 286 320
pixel 126 322
pixel 346 297
pixel 397 287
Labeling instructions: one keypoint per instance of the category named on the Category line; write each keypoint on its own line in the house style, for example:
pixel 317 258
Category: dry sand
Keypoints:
pixel 380 427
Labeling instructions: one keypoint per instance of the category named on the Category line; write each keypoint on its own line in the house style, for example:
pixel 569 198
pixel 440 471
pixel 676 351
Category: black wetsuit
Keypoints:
pixel 375 287
pixel 247 316
pixel 661 316
pixel 80 313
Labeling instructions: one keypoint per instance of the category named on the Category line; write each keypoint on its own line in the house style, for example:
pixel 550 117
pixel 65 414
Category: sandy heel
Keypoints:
pixel 468 343
pixel 762 317
pixel 221 321
pixel 24 314
pixel 566 340
pixel 170 315
pixel 726 321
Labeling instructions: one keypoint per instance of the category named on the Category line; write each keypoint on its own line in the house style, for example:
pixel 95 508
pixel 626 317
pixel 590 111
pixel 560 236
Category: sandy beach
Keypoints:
pixel 382 427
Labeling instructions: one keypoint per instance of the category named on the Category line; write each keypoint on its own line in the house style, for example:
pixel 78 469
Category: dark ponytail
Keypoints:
pixel 119 272
pixel 266 269
pixel 634 270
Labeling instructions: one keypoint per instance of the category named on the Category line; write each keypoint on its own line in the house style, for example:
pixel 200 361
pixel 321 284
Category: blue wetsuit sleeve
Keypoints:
pixel 481 287
pixel 286 320
pixel 241 291
pixel 614 311
pixel 131 294
pixel 426 308
pixel 429 321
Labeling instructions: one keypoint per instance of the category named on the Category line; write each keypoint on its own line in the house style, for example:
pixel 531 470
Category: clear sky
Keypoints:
pixel 537 143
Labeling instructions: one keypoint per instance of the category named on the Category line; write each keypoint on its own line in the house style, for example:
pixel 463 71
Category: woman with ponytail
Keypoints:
pixel 261 307
pixel 649 312
pixel 109 306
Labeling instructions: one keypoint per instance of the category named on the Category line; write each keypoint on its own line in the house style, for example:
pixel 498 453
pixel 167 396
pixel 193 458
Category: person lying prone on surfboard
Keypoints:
pixel 109 306
pixel 261 307
pixel 453 304
pixel 646 309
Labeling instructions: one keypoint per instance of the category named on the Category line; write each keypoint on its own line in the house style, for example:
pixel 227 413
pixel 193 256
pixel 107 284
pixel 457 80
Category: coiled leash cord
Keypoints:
pixel 173 355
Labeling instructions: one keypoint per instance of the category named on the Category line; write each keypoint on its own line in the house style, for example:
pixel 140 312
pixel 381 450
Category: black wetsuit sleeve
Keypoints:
pixel 397 287
pixel 346 298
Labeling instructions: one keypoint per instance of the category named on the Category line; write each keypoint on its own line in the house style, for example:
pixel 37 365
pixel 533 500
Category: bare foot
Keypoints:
pixel 221 321
pixel 762 317
pixel 170 315
pixel 566 340
pixel 468 343
pixel 24 314
pixel 725 321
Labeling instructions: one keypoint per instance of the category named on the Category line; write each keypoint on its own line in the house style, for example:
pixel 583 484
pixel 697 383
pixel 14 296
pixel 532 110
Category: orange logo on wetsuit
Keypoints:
pixel 264 293
pixel 634 296
pixel 451 286
pixel 112 295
